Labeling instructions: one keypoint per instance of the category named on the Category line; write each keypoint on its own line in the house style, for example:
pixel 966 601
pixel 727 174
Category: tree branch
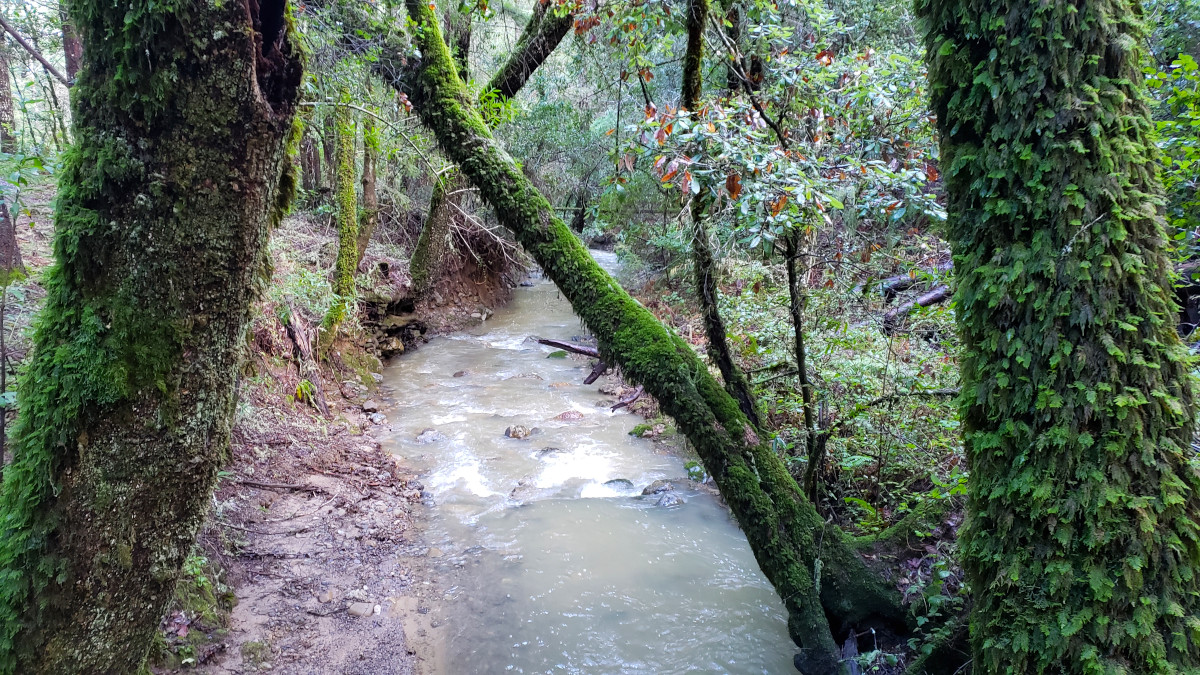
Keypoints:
pixel 33 52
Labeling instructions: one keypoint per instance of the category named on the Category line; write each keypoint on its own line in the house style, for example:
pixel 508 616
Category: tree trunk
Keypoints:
pixel 347 206
pixel 10 252
pixel 433 244
pixel 369 218
pixel 538 41
pixel 164 205
pixel 329 145
pixel 8 116
pixel 1082 539
pixel 72 47
pixel 797 300
pixel 704 267
pixel 783 529
pixel 310 164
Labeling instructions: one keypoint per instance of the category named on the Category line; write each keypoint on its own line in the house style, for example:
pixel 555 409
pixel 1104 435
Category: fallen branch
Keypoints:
pixel 280 486
pixel 637 393
pixel 597 370
pixel 891 320
pixel 571 347
pixel 303 338
pixel 890 287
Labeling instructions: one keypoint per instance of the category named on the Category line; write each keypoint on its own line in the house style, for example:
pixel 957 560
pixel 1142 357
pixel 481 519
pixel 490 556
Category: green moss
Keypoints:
pixel 130 379
pixel 1082 542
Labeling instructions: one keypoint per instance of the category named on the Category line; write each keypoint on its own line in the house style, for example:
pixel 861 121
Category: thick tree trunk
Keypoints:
pixel 1082 543
pixel 164 205
pixel 369 218
pixel 72 47
pixel 8 115
pixel 346 265
pixel 433 244
pixel 784 530
pixel 704 267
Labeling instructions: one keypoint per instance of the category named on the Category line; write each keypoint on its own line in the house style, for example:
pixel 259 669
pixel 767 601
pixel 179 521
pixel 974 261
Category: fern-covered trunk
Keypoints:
pixel 165 201
pixel 1082 543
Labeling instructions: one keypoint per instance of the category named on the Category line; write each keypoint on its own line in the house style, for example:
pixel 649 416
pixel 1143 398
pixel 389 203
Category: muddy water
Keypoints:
pixel 550 570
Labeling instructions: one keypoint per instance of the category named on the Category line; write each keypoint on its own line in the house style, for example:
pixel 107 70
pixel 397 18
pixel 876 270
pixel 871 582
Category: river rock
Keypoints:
pixel 378 418
pixel 326 596
pixel 549 451
pixel 517 431
pixel 668 499
pixel 569 416
pixel 361 609
pixel 619 483
pixel 462 373
pixel 658 487
pixel 430 435
pixel 370 406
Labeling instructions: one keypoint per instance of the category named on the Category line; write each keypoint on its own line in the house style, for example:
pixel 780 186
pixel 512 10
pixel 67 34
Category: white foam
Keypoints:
pixel 581 464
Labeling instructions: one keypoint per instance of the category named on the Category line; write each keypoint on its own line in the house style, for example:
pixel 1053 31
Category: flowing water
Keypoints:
pixel 554 571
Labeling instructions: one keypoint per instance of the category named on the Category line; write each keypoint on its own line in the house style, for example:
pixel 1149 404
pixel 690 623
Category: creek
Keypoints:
pixel 548 569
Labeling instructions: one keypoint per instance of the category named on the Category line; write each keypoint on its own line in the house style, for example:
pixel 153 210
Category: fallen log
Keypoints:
pixel 892 320
pixel 597 370
pixel 890 287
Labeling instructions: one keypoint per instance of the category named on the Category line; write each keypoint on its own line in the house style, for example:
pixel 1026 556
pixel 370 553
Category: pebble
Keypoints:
pixel 378 418
pixel 325 597
pixel 361 609
pixel 370 406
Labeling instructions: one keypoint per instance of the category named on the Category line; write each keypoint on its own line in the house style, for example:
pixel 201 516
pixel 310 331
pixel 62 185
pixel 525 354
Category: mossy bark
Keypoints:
pixel 164 206
pixel 433 244
pixel 787 535
pixel 369 218
pixel 703 266
pixel 347 262
pixel 797 300
pixel 1082 542
pixel 538 40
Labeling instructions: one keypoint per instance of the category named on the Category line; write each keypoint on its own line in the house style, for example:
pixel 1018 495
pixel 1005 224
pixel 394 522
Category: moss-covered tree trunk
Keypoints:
pixel 538 40
pixel 704 268
pixel 346 264
pixel 369 218
pixel 165 201
pixel 72 47
pixel 787 535
pixel 1082 543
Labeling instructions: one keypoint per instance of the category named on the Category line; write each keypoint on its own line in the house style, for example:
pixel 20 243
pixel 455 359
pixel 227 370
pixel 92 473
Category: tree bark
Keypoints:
pixel 797 300
pixel 783 529
pixel 433 244
pixel 72 47
pixel 329 146
pixel 165 202
pixel 538 40
pixel 1082 537
pixel 704 267
pixel 8 114
pixel 369 218
pixel 10 251
pixel 346 265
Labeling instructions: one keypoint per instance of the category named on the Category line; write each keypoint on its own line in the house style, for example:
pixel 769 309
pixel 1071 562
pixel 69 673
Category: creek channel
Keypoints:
pixel 544 567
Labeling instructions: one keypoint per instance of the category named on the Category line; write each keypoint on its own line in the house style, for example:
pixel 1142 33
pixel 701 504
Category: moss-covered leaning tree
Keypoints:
pixel 1082 543
pixel 825 585
pixel 182 114
pixel 546 28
